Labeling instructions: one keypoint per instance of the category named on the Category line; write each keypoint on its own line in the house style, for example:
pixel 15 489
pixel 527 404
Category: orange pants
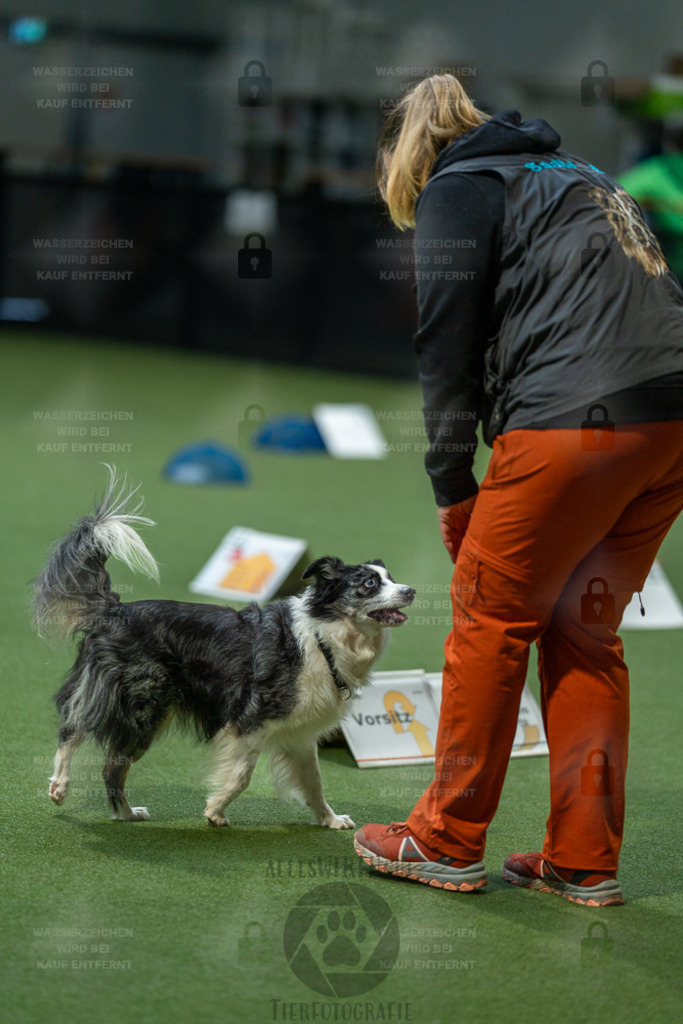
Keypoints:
pixel 549 517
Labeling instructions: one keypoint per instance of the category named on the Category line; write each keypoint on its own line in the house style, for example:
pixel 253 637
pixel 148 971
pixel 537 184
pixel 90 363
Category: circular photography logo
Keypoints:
pixel 341 939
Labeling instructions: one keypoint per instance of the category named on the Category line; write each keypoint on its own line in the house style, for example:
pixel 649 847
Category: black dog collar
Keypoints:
pixel 342 687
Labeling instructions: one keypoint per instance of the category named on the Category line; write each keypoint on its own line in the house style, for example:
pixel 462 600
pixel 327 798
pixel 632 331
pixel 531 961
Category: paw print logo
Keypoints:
pixel 341 946
pixel 341 939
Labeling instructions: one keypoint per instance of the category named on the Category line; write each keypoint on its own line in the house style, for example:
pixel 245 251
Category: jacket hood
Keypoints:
pixel 503 133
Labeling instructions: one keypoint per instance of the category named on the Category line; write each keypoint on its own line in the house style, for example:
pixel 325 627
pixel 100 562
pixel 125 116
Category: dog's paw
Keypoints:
pixel 57 792
pixel 339 821
pixel 216 819
pixel 136 814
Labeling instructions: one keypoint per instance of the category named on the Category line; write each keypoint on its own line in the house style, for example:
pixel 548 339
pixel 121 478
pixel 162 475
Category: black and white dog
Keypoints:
pixel 270 678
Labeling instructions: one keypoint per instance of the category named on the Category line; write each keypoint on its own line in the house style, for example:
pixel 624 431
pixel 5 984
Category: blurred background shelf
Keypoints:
pixel 172 163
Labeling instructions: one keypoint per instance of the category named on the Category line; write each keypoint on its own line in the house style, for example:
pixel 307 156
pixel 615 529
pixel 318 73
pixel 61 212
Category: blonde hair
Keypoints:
pixel 422 123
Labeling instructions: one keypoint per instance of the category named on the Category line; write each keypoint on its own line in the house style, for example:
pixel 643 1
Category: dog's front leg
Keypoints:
pixel 234 761
pixel 302 773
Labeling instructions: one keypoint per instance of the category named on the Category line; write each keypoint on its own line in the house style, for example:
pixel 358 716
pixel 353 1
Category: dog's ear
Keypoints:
pixel 325 568
pixel 376 561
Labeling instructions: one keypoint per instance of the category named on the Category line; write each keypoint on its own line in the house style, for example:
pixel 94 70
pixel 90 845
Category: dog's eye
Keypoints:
pixel 370 582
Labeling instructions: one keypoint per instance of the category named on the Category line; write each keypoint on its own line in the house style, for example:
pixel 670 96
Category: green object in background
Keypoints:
pixel 657 104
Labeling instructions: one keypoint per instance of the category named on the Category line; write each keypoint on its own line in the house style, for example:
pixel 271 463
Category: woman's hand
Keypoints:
pixel 453 523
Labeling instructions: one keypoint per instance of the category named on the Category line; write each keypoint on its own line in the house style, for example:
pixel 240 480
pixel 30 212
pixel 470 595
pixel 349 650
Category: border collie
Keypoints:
pixel 270 678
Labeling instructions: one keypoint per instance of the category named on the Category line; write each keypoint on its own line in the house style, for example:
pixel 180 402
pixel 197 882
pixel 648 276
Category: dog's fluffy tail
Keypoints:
pixel 74 588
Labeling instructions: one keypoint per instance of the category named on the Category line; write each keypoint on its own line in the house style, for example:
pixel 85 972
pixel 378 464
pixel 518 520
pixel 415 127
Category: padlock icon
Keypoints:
pixel 597 260
pixel 254 949
pixel 597 435
pixel 252 262
pixel 597 607
pixel 596 950
pixel 597 90
pixel 597 779
pixel 246 428
pixel 254 90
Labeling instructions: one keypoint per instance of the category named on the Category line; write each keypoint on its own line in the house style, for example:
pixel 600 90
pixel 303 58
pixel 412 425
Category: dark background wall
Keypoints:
pixel 180 170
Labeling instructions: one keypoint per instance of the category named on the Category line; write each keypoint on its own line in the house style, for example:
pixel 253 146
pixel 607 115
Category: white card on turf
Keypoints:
pixel 350 431
pixel 394 721
pixel 663 610
pixel 248 565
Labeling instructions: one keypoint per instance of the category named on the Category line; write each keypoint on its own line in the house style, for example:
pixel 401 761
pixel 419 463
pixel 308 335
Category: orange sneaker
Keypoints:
pixel 394 850
pixel 590 888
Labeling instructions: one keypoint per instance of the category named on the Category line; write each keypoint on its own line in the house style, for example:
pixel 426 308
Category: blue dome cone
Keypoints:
pixel 289 433
pixel 206 462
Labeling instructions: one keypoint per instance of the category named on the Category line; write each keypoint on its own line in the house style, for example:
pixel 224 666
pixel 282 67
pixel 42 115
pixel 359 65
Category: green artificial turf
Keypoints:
pixel 195 920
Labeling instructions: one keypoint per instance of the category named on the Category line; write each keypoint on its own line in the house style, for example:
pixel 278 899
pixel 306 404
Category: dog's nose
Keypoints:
pixel 408 592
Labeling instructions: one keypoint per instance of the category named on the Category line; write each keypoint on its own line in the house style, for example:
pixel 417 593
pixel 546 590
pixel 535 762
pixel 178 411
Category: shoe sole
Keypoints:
pixel 607 894
pixel 426 873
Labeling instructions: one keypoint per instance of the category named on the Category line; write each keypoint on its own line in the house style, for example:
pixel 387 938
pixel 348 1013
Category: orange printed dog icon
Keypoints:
pixel 249 574
pixel 419 731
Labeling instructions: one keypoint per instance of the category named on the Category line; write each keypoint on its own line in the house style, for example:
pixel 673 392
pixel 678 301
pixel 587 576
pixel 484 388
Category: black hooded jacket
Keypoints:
pixel 510 330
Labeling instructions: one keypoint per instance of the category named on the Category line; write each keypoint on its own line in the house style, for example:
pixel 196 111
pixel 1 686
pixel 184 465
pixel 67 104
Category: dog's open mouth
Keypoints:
pixel 388 616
